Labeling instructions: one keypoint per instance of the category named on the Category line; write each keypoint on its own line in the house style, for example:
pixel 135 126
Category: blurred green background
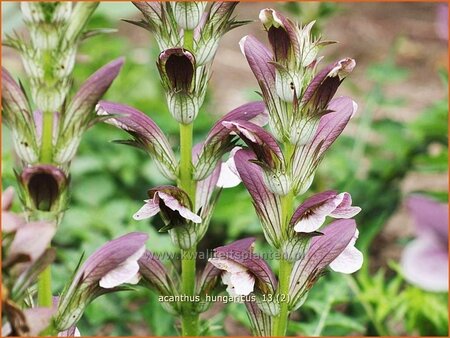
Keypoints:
pixel 397 144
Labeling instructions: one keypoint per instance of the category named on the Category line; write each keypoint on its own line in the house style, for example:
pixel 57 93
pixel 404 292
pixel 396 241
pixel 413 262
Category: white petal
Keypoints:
pixel 425 264
pixel 124 273
pixel 310 223
pixel 355 108
pixel 175 205
pixel 242 282
pixel 242 44
pixel 317 216
pixel 345 208
pixel 229 176
pixel 149 209
pixel 77 333
pixel 350 260
pixel 227 265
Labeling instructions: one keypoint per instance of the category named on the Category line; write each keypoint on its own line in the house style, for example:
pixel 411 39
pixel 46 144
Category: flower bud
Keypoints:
pixel 32 11
pixel 287 84
pixel 177 68
pixel 206 51
pixel 44 188
pixel 303 130
pixel 183 107
pixel 277 181
pixel 44 37
pixel 114 264
pixel 50 98
pixel 188 14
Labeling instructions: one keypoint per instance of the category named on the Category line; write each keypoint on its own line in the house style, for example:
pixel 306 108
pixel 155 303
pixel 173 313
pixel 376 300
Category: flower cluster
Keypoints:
pixel 305 119
pixel 47 126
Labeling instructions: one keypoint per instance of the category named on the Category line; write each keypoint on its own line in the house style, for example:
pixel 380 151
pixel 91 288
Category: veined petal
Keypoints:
pixel 219 140
pixel 205 187
pixel 259 57
pixel 267 204
pixel 331 125
pixel 238 257
pixel 152 10
pixel 261 322
pixel 18 117
pixel 175 205
pixel 125 273
pixel 244 244
pixel 322 251
pixel 307 157
pixel 325 84
pixel 283 35
pixel 310 215
pixel 350 260
pixel 85 286
pixel 146 134
pixel 79 110
pixel 259 140
pixel 345 208
pixel 260 60
pixel 155 274
pixel 149 209
pixel 111 255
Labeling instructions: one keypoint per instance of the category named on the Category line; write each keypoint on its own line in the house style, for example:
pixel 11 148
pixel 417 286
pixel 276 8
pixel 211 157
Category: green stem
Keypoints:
pixel 281 321
pixel 189 40
pixel 287 207
pixel 189 317
pixel 46 154
pixel 189 320
pixel 45 297
pixel 186 182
